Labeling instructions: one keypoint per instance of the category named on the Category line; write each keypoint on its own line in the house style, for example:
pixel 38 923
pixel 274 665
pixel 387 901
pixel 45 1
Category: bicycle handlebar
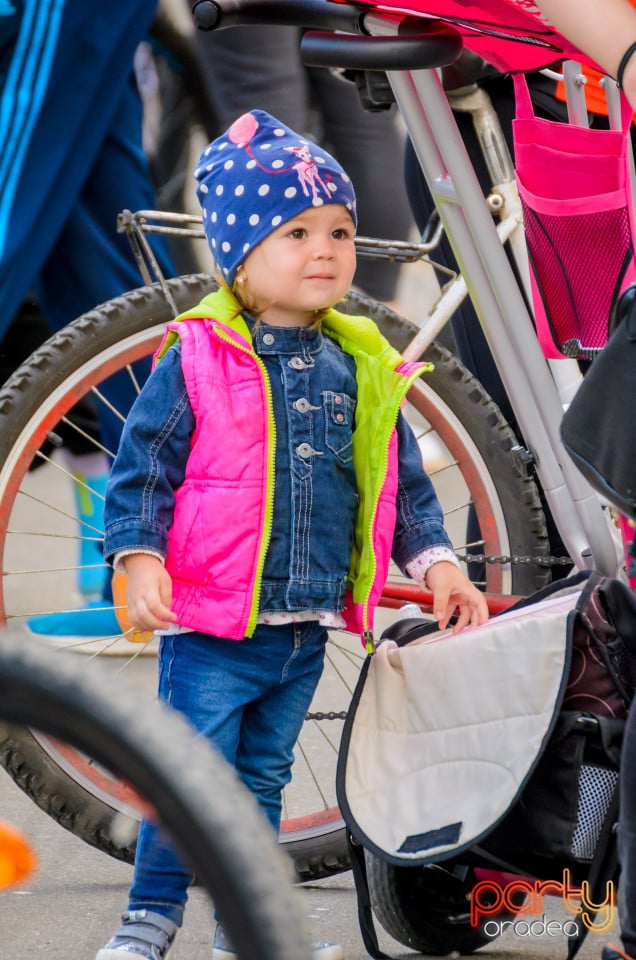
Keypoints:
pixel 417 46
pixel 322 14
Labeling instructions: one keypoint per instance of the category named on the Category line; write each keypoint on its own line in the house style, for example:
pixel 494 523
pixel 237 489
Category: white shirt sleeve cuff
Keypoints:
pixel 120 567
pixel 419 565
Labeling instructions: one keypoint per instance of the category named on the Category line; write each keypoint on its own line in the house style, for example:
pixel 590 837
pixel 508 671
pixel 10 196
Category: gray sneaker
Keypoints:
pixel 143 935
pixel 223 950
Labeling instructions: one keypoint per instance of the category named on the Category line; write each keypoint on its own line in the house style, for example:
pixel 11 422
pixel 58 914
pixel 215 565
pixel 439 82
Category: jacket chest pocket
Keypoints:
pixel 339 416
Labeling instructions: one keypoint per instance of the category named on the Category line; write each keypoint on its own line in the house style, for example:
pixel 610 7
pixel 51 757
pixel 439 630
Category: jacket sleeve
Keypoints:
pixel 420 519
pixel 150 463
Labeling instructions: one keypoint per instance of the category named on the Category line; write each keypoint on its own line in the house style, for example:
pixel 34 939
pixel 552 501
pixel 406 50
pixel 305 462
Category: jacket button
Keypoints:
pixel 268 338
pixel 302 405
pixel 305 450
pixel 297 363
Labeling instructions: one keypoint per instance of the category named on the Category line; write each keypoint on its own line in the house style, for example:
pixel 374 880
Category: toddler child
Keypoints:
pixel 264 478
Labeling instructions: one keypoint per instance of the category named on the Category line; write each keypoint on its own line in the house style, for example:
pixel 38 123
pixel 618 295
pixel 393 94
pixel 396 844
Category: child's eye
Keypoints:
pixel 298 234
pixel 341 234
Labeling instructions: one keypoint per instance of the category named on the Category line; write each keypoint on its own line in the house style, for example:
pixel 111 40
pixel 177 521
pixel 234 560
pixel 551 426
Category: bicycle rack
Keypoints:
pixel 140 224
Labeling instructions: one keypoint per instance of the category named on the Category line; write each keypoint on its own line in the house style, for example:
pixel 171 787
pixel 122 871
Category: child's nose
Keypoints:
pixel 324 248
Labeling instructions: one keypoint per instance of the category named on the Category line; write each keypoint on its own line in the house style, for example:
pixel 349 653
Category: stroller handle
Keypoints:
pixel 433 45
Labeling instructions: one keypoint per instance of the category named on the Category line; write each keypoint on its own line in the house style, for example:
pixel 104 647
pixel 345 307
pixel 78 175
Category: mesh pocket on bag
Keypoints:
pixel 579 262
pixel 596 789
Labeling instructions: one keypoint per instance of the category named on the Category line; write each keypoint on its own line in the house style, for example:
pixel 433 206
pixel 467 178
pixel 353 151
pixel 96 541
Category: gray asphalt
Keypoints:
pixel 71 906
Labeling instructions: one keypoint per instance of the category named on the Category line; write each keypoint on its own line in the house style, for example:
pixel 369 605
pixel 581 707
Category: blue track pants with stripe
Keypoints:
pixel 70 152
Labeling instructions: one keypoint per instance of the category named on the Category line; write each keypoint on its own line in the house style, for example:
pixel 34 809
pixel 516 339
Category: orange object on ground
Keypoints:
pixel 119 583
pixel 17 859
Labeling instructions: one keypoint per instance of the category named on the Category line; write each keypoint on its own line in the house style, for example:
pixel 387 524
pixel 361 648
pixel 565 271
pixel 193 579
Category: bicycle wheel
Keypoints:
pixel 428 908
pixel 174 774
pixel 465 446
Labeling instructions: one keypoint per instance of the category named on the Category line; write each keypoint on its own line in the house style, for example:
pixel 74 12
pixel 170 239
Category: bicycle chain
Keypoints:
pixel 544 561
pixel 332 715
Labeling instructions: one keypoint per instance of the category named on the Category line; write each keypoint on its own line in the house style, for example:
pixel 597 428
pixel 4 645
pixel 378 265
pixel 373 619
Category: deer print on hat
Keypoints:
pixel 307 171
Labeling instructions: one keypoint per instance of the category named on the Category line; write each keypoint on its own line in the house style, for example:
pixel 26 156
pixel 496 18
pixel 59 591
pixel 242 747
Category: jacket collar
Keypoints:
pixel 353 333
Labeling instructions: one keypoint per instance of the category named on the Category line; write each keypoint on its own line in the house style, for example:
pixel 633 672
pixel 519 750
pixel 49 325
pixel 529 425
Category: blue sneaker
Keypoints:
pixel 223 950
pixel 143 935
pixel 89 495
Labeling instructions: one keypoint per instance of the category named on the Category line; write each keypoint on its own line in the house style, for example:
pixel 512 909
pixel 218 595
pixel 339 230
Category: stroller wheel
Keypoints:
pixel 426 908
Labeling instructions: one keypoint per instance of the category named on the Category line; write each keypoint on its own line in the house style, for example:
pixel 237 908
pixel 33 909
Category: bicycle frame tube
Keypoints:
pixel 501 308
pixel 475 101
pixel 503 200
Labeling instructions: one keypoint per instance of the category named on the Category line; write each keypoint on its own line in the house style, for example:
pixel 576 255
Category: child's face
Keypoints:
pixel 305 265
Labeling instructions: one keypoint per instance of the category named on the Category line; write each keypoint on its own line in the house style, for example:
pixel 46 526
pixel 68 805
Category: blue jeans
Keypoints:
pixel 249 698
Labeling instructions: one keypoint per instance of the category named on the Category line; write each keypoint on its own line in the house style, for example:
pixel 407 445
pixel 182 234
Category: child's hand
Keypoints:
pixel 453 591
pixel 149 592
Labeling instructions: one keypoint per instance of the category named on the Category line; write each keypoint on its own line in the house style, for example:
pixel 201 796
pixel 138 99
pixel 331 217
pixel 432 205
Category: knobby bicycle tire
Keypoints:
pixel 476 444
pixel 210 815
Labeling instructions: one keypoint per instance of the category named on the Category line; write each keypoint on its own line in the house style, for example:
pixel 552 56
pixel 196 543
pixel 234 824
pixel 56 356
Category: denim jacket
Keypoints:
pixel 314 393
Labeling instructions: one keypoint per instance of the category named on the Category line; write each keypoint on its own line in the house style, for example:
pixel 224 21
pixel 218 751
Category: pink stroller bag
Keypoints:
pixel 575 190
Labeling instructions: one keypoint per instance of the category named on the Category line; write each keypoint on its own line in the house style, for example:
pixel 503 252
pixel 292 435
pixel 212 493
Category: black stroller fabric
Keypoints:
pixel 598 427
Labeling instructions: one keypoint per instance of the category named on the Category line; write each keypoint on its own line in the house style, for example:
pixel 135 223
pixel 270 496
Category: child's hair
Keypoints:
pixel 257 176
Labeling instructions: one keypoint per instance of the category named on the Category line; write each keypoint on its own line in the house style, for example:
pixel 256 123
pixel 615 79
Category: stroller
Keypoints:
pixel 478 772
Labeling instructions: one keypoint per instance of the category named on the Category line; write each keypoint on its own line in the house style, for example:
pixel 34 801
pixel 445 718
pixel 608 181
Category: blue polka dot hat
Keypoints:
pixel 258 175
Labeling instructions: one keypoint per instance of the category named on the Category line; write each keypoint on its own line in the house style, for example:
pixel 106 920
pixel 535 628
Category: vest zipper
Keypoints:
pixel 268 512
pixel 406 383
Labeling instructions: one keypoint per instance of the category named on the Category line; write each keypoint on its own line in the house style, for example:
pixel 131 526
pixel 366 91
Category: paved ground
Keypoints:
pixel 72 904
